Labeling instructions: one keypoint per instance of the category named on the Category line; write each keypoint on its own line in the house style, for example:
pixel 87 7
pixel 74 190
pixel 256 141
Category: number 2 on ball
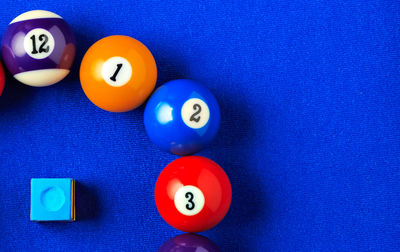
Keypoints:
pixel 197 109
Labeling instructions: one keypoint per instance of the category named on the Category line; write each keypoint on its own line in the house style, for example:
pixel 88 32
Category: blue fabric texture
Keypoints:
pixel 310 127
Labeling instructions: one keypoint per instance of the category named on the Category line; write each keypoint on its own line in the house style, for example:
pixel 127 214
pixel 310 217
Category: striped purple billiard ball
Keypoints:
pixel 38 48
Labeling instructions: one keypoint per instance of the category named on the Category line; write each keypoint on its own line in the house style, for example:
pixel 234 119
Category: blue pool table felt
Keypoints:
pixel 310 135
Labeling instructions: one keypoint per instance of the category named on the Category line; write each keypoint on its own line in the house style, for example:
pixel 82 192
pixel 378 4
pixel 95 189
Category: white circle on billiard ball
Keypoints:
pixel 39 43
pixel 116 71
pixel 189 200
pixel 195 113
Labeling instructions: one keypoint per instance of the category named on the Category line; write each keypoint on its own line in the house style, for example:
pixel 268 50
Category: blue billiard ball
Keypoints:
pixel 182 117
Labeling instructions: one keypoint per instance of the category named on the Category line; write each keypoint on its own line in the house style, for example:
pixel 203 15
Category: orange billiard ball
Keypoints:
pixel 118 73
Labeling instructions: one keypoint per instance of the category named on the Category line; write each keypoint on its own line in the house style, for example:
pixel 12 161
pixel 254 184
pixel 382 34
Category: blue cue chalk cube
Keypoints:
pixel 52 199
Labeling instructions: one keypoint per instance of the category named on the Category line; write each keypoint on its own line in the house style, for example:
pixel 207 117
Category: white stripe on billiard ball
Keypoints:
pixel 41 78
pixel 35 14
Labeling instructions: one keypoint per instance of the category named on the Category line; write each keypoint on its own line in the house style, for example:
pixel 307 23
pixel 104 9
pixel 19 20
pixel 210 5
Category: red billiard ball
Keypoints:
pixel 2 78
pixel 193 194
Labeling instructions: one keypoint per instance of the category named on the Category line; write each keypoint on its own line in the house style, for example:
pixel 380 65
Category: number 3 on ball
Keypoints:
pixel 189 200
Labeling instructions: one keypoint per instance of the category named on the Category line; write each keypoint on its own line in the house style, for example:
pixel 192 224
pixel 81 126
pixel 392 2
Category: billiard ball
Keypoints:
pixel 118 73
pixel 193 194
pixel 38 48
pixel 182 117
pixel 189 243
pixel 2 78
